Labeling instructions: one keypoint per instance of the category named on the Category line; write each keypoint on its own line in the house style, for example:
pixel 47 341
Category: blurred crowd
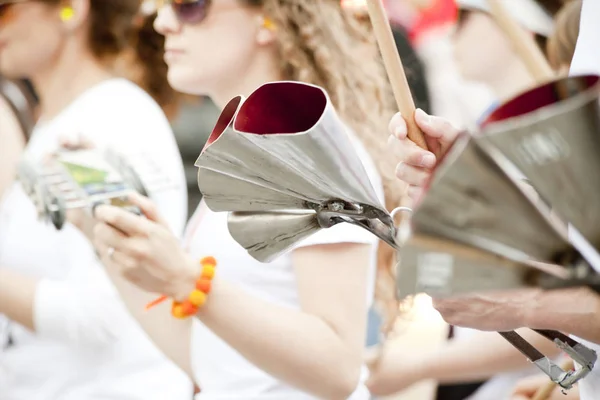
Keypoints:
pixel 72 71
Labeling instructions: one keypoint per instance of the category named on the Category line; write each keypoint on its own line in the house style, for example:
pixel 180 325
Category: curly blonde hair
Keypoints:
pixel 561 45
pixel 322 43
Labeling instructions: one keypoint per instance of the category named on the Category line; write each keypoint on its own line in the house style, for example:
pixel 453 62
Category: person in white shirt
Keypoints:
pixel 71 337
pixel 294 328
pixel 531 308
pixel 483 53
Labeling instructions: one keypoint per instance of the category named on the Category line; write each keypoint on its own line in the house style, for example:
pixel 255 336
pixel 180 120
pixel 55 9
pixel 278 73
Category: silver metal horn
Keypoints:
pixel 478 228
pixel 285 166
pixel 552 135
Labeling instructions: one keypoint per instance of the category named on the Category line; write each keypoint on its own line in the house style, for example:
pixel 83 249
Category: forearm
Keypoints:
pixel 480 357
pixel 574 311
pixel 17 297
pixel 171 336
pixel 298 348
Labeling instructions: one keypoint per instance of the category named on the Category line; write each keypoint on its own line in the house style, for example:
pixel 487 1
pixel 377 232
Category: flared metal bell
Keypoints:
pixel 552 135
pixel 478 227
pixel 440 268
pixel 284 160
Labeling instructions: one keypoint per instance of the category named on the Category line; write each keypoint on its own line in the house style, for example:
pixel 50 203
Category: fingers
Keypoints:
pixel 436 127
pixel 528 387
pixel 132 249
pixel 105 237
pixel 405 149
pixel 397 127
pixel 125 221
pixel 76 143
pixel 412 175
pixel 147 207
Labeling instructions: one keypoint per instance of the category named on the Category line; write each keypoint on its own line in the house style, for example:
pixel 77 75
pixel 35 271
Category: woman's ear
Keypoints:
pixel 74 13
pixel 267 31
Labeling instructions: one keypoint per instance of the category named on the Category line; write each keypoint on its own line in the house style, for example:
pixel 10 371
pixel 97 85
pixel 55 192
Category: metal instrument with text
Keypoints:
pixel 284 167
pixel 85 178
pixel 516 205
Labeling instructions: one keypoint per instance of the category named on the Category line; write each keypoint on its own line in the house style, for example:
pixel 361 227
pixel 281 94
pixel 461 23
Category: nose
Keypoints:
pixel 166 21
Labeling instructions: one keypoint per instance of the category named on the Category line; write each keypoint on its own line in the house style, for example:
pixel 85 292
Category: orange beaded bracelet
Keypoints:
pixel 197 298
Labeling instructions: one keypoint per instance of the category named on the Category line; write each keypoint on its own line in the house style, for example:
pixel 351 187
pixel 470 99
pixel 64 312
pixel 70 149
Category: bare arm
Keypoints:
pixel 330 326
pixel 479 357
pixel 576 311
pixel 17 296
pixel 158 323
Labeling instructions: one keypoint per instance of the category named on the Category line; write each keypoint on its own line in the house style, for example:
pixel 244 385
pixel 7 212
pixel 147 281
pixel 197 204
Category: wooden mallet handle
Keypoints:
pixel 523 43
pixel 395 70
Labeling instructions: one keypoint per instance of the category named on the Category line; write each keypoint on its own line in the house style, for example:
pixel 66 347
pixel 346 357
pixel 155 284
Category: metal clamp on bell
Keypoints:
pixel 284 165
pixel 516 205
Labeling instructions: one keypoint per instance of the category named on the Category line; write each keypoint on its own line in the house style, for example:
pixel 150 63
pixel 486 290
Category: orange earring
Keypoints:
pixel 268 24
pixel 66 14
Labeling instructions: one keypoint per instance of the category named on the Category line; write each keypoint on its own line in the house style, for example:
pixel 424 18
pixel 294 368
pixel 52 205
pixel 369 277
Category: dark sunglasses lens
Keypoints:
pixel 191 11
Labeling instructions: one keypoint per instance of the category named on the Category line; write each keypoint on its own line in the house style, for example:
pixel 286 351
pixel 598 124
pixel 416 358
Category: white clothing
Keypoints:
pixel 529 13
pixel 586 59
pixel 589 387
pixel 87 346
pixel 220 371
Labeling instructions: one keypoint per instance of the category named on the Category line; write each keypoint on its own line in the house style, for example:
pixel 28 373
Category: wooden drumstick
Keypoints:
pixel 545 391
pixel 395 70
pixel 523 43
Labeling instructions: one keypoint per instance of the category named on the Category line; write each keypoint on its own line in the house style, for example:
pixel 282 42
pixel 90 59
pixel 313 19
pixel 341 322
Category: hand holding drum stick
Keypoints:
pixel 395 70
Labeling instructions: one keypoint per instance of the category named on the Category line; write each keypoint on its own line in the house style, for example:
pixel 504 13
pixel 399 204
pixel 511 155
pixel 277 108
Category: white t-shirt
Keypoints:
pixel 220 371
pixel 87 346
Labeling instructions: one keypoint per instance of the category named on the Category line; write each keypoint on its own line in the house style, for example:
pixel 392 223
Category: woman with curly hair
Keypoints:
pixel 294 328
pixel 70 336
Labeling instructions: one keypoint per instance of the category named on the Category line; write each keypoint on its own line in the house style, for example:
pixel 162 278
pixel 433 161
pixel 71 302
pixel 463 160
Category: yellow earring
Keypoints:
pixel 66 14
pixel 268 24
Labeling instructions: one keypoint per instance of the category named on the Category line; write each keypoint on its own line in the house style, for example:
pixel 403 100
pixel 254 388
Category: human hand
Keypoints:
pixel 392 369
pixel 78 217
pixel 527 388
pixel 492 311
pixel 415 163
pixel 143 250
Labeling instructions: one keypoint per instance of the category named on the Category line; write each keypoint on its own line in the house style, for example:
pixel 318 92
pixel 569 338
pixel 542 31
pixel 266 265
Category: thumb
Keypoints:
pixel 147 207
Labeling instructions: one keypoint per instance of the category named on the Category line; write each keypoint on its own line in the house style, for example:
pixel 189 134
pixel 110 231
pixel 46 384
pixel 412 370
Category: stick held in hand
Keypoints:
pixel 395 70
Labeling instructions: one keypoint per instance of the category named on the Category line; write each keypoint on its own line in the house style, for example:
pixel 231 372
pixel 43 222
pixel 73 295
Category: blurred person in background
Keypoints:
pixel 70 336
pixel 485 54
pixel 16 121
pixel 497 360
pixel 17 110
pixel 294 328
pixel 532 308
pixel 561 45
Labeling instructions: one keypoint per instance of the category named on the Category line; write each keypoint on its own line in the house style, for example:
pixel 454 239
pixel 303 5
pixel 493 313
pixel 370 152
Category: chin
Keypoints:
pixel 186 81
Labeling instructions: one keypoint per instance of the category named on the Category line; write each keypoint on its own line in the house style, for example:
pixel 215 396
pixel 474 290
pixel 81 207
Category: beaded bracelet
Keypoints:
pixel 197 298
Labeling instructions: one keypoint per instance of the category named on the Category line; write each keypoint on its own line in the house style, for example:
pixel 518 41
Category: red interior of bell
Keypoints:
pixel 224 120
pixel 281 107
pixel 534 99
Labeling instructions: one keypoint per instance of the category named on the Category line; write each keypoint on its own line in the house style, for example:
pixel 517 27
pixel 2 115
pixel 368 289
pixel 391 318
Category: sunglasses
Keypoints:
pixel 186 11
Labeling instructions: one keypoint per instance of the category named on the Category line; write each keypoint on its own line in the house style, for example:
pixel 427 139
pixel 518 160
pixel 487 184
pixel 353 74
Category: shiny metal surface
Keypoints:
pixel 471 201
pixel 280 151
pixel 556 145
